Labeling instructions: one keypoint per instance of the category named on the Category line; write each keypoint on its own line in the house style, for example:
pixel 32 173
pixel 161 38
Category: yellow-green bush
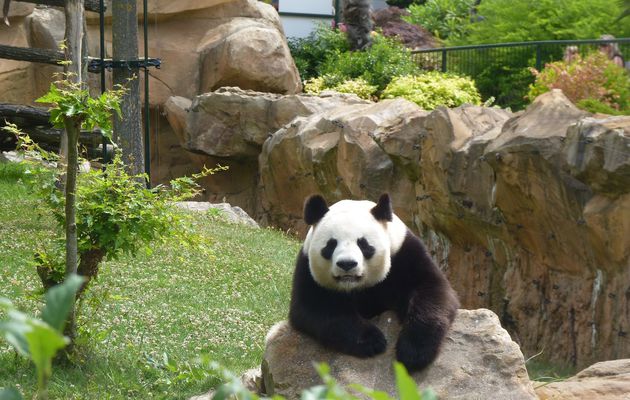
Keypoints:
pixel 433 89
pixel 358 86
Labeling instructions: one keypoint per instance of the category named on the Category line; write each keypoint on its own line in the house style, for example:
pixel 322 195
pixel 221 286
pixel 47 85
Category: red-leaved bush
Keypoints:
pixel 593 83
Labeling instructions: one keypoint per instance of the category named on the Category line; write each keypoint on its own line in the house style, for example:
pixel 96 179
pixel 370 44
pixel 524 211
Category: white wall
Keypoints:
pixel 301 26
pixel 307 6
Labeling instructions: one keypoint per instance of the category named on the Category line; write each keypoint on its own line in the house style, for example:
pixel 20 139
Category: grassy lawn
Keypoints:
pixel 147 318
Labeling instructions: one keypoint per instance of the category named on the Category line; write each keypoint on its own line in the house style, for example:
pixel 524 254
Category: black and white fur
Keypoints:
pixel 357 261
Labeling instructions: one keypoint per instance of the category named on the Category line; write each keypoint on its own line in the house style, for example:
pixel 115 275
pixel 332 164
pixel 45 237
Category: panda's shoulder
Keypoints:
pixel 412 252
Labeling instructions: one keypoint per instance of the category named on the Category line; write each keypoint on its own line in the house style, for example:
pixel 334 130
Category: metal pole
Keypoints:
pixel 147 133
pixel 444 60
pixel 101 20
pixel 337 12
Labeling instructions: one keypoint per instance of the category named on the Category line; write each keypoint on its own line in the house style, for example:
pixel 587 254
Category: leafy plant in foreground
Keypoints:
pixel 329 390
pixel 39 339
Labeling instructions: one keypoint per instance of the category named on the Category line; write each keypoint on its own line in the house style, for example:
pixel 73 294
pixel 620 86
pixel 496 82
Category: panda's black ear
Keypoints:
pixel 382 211
pixel 314 209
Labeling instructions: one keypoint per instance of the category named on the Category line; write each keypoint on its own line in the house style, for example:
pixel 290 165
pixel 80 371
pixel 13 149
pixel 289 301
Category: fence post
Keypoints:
pixel 444 60
pixel 538 57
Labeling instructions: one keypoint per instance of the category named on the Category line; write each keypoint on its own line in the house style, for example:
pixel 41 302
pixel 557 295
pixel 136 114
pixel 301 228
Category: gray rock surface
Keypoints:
pixel 607 380
pixel 479 360
pixel 233 214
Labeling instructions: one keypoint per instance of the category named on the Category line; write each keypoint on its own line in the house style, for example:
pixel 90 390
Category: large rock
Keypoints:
pixel 478 360
pixel 16 77
pixel 231 122
pixel 609 380
pixel 207 44
pixel 351 151
pixel 229 127
pixel 47 30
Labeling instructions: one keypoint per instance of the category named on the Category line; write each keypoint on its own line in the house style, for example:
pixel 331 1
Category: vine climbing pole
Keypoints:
pixel 75 16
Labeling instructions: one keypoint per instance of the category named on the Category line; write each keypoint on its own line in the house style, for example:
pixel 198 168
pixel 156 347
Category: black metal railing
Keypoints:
pixel 502 70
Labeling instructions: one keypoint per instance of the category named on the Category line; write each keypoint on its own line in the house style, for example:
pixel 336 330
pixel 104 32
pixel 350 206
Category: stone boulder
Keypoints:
pixel 231 122
pixel 351 151
pixel 16 76
pixel 47 29
pixel 229 127
pixel 478 360
pixel 231 213
pixel 208 44
pixel 608 380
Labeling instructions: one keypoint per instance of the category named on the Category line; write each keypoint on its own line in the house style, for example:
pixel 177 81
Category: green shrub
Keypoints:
pixel 310 52
pixel 445 19
pixel 434 89
pixel 593 83
pixel 525 20
pixel 115 214
pixel 507 81
pixel 378 65
pixel 358 86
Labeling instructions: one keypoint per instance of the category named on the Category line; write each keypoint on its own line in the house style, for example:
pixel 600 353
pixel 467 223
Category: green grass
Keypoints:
pixel 147 319
pixel 541 371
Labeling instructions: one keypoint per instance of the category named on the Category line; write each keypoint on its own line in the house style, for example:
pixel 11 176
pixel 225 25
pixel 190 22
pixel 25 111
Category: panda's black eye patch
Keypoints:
pixel 329 249
pixel 367 250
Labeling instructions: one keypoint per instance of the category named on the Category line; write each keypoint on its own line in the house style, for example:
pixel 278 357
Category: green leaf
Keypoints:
pixel 407 389
pixel 10 394
pixel 372 394
pixel 314 393
pixel 43 343
pixel 429 394
pixel 59 301
pixel 14 331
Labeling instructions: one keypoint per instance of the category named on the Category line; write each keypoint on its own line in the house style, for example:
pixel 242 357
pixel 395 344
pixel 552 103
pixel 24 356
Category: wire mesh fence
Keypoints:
pixel 502 70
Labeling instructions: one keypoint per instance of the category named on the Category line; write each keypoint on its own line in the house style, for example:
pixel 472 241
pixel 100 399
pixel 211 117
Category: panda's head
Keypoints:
pixel 349 245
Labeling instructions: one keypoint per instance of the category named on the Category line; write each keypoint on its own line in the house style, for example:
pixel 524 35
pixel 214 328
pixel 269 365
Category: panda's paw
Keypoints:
pixel 370 342
pixel 414 355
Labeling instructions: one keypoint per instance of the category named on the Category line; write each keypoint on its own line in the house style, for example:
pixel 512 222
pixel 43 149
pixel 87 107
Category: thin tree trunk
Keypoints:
pixel 128 128
pixel 74 31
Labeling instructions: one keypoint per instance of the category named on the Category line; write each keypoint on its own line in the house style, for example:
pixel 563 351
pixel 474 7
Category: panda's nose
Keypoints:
pixel 346 265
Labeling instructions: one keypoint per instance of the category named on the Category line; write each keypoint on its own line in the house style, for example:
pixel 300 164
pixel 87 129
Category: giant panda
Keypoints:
pixel 358 260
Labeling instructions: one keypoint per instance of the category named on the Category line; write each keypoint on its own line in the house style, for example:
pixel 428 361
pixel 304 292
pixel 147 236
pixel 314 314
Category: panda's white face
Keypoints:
pixel 348 248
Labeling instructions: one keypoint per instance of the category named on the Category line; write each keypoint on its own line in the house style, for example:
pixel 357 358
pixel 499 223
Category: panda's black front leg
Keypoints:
pixel 330 317
pixel 333 323
pixel 425 325
pixel 350 335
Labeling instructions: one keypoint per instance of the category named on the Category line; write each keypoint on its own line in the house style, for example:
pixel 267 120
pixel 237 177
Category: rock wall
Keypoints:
pixel 16 76
pixel 203 45
pixel 528 213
